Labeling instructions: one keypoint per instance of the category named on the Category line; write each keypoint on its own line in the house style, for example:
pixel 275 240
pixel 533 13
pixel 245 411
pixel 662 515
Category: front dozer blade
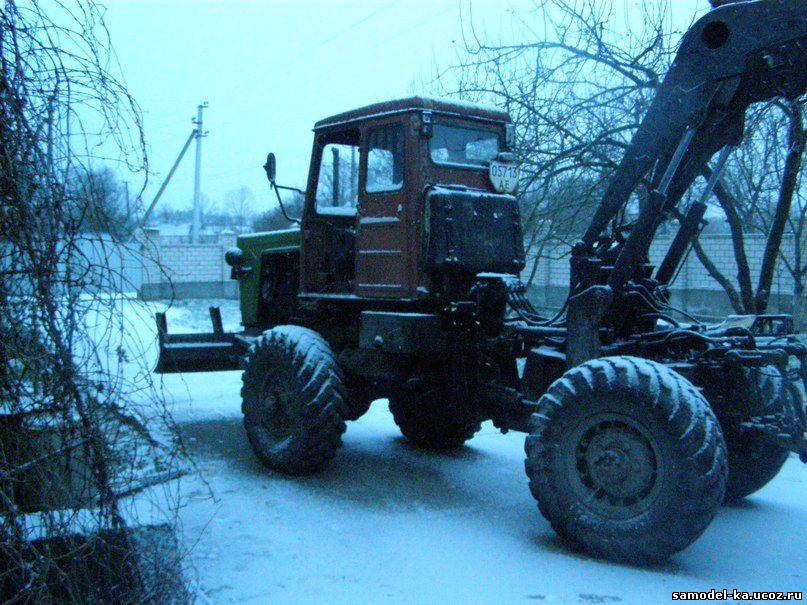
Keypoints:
pixel 211 352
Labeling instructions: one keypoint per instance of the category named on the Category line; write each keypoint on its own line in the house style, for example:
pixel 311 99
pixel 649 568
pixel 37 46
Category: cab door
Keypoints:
pixel 381 237
pixel 329 221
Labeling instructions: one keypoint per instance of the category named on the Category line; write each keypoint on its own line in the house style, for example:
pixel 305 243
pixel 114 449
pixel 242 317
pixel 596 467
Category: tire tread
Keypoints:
pixel 318 380
pixel 700 443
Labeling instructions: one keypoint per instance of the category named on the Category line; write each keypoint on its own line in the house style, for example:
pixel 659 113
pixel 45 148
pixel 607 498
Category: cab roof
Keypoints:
pixel 419 103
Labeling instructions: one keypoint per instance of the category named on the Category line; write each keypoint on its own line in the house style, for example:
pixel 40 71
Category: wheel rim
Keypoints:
pixel 278 413
pixel 615 465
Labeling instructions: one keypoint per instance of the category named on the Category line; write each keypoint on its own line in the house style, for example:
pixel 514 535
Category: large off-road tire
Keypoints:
pixel 753 459
pixel 626 459
pixel 293 400
pixel 425 420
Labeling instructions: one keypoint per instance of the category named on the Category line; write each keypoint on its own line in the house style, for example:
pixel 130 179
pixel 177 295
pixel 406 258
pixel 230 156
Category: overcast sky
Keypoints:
pixel 269 70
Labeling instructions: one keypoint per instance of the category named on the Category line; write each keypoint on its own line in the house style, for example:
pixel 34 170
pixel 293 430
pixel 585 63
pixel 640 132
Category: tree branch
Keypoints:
pixel 790 177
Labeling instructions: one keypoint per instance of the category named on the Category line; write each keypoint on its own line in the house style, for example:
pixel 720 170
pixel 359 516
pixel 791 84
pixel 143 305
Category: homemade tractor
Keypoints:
pixel 402 283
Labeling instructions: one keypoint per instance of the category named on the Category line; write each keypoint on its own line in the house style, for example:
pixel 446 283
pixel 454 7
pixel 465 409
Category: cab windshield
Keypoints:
pixel 463 145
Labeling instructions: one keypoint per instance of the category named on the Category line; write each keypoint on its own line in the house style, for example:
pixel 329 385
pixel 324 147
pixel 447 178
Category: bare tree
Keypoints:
pixel 757 196
pixel 100 204
pixel 576 89
pixel 239 206
pixel 77 430
pixel 577 78
pixel 273 219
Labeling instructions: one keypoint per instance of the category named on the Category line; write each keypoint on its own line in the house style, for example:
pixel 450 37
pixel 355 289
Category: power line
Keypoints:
pixel 340 32
pixel 359 55
pixel 331 38
pixel 365 53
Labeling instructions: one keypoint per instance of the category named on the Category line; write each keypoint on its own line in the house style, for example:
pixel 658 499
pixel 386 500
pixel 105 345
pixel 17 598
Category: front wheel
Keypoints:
pixel 293 400
pixel 626 460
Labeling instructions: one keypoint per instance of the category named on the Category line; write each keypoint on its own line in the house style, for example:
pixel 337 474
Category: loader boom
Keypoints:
pixel 736 55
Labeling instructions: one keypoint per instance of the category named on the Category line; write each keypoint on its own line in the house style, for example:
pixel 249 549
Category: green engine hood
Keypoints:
pixel 255 246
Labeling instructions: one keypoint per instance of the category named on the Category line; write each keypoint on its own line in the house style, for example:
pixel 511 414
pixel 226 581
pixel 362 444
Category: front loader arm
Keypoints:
pixel 735 55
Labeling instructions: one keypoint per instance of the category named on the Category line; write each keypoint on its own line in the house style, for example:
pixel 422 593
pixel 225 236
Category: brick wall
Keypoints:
pixel 178 270
pixel 199 271
pixel 694 289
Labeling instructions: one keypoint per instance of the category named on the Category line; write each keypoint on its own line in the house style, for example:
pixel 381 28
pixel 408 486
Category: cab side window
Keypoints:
pixel 385 159
pixel 338 180
pixel 467 147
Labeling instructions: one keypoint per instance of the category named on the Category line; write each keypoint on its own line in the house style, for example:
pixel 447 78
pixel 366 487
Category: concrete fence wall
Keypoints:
pixel 180 270
pixel 186 270
pixel 87 263
pixel 694 289
pixel 111 266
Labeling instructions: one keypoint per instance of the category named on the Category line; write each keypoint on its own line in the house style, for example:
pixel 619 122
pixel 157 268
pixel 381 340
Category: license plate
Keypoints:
pixel 504 176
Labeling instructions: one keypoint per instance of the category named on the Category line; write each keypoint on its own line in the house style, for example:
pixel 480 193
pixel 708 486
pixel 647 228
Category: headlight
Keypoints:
pixel 234 257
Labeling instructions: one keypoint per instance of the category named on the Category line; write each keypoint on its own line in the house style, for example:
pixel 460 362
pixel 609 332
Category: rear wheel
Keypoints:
pixel 360 395
pixel 293 400
pixel 426 421
pixel 626 460
pixel 755 460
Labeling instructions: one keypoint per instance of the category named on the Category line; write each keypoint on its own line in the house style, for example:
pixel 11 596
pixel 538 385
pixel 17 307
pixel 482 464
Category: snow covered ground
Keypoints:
pixel 388 523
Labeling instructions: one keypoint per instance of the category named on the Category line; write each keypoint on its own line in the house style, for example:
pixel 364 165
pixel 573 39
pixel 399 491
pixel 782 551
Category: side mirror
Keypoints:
pixel 270 167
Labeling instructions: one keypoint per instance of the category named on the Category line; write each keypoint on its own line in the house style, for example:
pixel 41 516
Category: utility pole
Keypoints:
pixel 144 222
pixel 197 202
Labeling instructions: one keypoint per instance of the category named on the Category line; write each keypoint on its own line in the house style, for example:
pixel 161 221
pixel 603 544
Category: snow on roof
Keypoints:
pixel 440 105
